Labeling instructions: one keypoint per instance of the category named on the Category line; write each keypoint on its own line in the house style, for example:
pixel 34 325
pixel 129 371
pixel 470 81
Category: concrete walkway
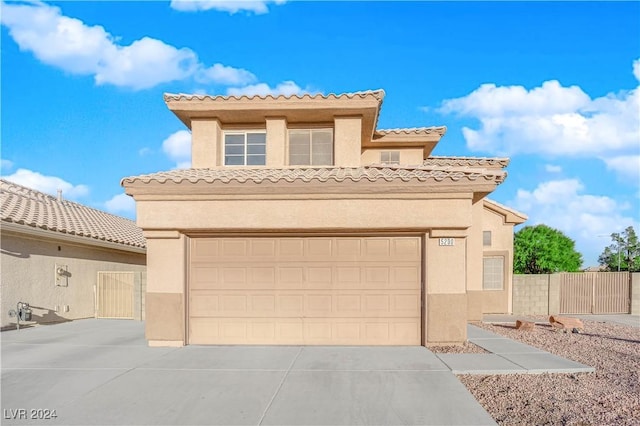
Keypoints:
pixel 508 357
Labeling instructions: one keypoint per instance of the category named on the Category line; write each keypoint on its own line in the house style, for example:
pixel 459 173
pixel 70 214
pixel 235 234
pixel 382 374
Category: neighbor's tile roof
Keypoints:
pixel 32 208
pixel 378 94
pixel 321 174
pixel 466 162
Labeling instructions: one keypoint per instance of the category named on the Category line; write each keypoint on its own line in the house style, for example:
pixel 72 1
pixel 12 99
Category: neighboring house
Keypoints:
pixel 68 261
pixel 497 261
pixel 300 222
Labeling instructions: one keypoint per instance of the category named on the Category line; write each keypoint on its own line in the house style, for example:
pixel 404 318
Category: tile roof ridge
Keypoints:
pixel 463 157
pixel 377 93
pixel 409 130
pixel 24 191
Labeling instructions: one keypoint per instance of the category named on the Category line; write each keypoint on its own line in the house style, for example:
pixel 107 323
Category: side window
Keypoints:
pixel 390 157
pixel 245 148
pixel 486 238
pixel 311 147
pixel 493 273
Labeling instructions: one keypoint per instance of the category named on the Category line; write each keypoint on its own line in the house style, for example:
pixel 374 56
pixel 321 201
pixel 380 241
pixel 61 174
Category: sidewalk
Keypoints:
pixel 508 357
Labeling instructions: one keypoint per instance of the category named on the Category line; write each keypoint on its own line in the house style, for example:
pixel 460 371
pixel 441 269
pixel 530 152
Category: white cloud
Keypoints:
pixel 552 168
pixel 145 151
pixel 121 203
pixel 286 88
pixel 178 148
pixel 5 165
pixel 222 74
pixel 562 204
pixel 145 63
pixel 71 45
pixel 47 184
pixel 231 6
pixel 636 69
pixel 626 166
pixel 550 119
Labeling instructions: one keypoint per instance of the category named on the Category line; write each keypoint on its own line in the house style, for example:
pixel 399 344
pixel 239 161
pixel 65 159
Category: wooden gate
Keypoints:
pixel 594 293
pixel 114 294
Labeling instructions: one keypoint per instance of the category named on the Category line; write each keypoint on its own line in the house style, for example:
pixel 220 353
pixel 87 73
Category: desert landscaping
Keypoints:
pixel 610 396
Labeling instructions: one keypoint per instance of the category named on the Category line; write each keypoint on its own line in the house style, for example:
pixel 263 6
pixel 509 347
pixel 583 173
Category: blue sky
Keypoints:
pixel 553 86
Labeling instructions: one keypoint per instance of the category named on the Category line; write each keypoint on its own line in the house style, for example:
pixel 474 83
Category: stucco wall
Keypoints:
pixel 304 214
pixel 28 275
pixel 410 156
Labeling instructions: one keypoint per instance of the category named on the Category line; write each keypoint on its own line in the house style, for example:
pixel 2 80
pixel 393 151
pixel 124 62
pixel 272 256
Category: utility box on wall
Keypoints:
pixel 61 275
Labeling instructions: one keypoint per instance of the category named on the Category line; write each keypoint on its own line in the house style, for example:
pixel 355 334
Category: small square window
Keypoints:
pixel 486 238
pixel 390 157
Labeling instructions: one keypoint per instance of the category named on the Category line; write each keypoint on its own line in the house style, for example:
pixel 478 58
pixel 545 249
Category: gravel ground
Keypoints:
pixel 610 396
pixel 466 348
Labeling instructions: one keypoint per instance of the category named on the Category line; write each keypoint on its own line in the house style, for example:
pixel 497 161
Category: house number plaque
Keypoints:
pixel 447 241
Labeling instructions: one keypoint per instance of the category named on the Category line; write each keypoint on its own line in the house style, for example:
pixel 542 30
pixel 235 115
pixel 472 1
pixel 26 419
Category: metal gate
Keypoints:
pixel 594 293
pixel 114 294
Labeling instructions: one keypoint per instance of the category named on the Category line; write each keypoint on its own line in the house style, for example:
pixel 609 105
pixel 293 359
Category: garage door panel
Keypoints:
pixel 291 277
pixel 316 304
pixel 313 331
pixel 204 277
pixel 202 304
pixel 315 290
pixel 406 276
pixel 407 249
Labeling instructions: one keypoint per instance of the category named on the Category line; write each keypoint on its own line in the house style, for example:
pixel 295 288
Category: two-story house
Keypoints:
pixel 300 222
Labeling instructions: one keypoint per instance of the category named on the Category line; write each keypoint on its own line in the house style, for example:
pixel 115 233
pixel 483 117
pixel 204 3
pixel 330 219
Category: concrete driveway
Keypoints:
pixel 102 372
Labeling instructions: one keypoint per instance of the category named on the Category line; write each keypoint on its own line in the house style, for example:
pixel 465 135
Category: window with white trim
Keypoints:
pixel 311 147
pixel 493 273
pixel 390 157
pixel 245 148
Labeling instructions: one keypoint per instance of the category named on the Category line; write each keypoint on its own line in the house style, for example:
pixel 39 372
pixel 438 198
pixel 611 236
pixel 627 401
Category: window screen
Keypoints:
pixel 311 147
pixel 390 157
pixel 493 273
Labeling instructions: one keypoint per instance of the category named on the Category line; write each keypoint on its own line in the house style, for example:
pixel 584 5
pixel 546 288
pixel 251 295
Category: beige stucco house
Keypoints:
pixel 301 222
pixel 67 260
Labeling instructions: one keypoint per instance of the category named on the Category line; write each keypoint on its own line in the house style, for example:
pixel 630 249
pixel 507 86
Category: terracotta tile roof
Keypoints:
pixel 32 208
pixel 378 94
pixel 441 130
pixel 371 173
pixel 466 162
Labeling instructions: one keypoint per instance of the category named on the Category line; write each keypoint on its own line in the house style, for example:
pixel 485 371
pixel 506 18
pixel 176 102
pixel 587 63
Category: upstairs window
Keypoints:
pixel 390 157
pixel 311 147
pixel 245 148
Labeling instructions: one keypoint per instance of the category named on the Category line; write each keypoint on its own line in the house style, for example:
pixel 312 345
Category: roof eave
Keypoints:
pixel 509 215
pixel 23 228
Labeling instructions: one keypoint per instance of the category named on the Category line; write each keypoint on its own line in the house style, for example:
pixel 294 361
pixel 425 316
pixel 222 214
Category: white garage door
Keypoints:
pixel 307 290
